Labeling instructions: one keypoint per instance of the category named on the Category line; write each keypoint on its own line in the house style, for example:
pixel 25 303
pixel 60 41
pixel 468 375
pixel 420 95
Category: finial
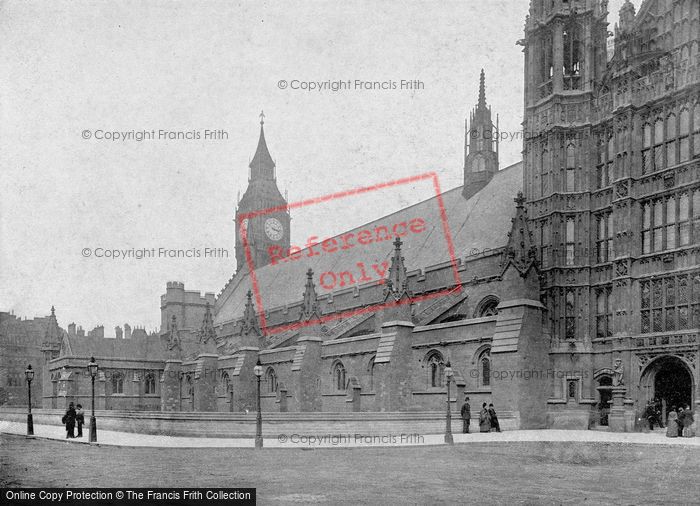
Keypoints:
pixel 262 118
pixel 310 273
pixel 53 311
pixel 397 243
pixel 249 295
pixel 482 89
pixel 519 200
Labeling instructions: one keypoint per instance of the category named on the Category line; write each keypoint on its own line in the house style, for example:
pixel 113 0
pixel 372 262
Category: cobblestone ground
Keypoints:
pixel 522 473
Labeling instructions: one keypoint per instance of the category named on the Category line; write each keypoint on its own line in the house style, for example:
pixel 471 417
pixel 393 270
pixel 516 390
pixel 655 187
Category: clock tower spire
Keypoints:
pixel 268 230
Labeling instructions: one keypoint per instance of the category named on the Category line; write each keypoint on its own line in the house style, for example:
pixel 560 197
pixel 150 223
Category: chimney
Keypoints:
pixel 127 331
pixel 118 332
pixel 71 329
pixel 81 332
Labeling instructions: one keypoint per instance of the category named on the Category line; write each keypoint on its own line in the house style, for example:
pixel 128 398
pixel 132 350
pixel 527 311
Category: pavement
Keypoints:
pixel 349 440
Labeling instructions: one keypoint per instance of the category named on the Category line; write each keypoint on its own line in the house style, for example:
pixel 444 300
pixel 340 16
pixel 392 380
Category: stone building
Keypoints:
pixel 26 342
pixel 568 293
pixel 611 162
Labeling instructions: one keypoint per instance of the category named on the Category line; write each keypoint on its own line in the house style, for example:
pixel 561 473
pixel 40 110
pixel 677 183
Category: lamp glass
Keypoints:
pixel 258 370
pixel 92 367
pixel 29 373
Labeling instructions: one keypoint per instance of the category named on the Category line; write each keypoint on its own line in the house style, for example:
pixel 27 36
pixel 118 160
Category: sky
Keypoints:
pixel 83 80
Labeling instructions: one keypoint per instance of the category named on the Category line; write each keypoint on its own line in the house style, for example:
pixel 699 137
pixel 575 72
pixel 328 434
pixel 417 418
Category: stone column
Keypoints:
pixel 306 371
pixel 170 386
pixel 205 380
pixel 392 367
pixel 244 380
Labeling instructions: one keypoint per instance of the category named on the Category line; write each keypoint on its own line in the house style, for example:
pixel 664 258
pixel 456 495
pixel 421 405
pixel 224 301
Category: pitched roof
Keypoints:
pixel 480 223
pixel 147 348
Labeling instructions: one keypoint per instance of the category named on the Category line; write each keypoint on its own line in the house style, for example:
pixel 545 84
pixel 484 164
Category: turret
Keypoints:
pixel 480 145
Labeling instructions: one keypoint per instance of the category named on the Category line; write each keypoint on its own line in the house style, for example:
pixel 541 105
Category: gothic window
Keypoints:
pixel 487 307
pixel 544 172
pixel 225 382
pixel 604 312
pixel 546 66
pixel 544 243
pixel 666 222
pixel 571 389
pixel 570 168
pixel 646 304
pixel 484 362
pixel 606 159
pixel 667 304
pixel 149 386
pixel 646 228
pixel 604 237
pixel 671 137
pixel 658 229
pixel 659 144
pixel 570 315
pixel 671 216
pixel 572 56
pixel 339 376
pixel 683 220
pixel 570 240
pixel 670 303
pixel 117 383
pixel 436 369
pixel 271 380
pixel 683 139
pixel 647 151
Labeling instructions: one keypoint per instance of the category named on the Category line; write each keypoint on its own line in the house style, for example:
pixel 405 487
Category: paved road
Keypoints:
pixel 351 440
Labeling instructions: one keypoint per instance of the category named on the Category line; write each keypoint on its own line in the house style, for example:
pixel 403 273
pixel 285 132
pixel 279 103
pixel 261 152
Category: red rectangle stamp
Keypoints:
pixel 349 261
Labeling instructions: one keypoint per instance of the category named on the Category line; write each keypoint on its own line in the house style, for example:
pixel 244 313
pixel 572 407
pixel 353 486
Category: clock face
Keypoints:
pixel 274 229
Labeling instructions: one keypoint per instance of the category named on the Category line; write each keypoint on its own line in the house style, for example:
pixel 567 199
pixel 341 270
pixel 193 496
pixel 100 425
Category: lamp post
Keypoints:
pixel 448 424
pixel 258 370
pixel 29 374
pixel 92 367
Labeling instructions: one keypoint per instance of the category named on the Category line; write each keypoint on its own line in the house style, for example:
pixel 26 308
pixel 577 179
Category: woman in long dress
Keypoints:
pixel 672 425
pixel 484 419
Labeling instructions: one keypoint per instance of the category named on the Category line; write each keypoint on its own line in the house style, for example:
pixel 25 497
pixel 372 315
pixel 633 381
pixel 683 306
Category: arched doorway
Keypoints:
pixel 669 382
pixel 605 396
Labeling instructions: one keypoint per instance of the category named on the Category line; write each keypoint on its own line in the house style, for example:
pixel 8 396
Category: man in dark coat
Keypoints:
pixel 69 420
pixel 466 415
pixel 80 419
pixel 494 418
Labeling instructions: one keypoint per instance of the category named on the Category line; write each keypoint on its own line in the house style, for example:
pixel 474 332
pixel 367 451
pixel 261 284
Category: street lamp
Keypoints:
pixel 258 370
pixel 29 374
pixel 448 424
pixel 92 367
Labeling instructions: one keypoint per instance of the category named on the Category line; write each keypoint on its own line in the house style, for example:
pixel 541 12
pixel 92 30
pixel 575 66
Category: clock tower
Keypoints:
pixel 267 230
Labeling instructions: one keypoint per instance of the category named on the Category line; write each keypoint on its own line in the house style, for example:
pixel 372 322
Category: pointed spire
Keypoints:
pixel 207 332
pixel 482 90
pixel 173 335
pixel 310 307
pixel 52 337
pixel 521 251
pixel 396 284
pixel 262 166
pixel 250 317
